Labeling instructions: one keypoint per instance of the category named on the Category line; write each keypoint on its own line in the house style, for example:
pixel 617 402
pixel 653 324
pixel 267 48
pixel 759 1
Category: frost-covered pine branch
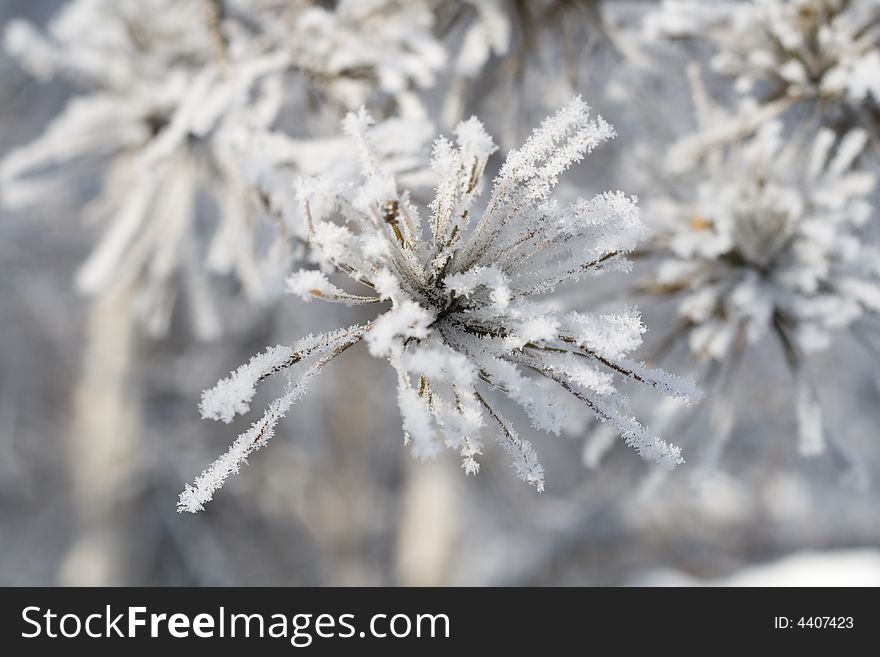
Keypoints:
pixel 772 245
pixel 463 315
pixel 363 51
pixel 821 56
pixel 518 60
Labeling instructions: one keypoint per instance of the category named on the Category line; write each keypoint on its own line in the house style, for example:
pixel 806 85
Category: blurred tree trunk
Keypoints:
pixel 428 529
pixel 347 501
pixel 102 446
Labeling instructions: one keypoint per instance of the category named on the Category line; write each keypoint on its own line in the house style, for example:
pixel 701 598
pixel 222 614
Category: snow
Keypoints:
pixel 839 568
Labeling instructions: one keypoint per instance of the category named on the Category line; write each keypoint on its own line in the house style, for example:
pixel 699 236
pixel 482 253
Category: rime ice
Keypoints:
pixel 465 317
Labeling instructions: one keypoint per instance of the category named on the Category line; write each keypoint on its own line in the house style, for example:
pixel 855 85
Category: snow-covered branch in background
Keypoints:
pixel 172 90
pixel 821 56
pixel 769 246
pixel 362 51
pixel 516 61
pixel 462 315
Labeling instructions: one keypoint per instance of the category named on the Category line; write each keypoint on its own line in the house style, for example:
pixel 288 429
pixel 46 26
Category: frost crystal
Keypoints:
pixel 465 316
